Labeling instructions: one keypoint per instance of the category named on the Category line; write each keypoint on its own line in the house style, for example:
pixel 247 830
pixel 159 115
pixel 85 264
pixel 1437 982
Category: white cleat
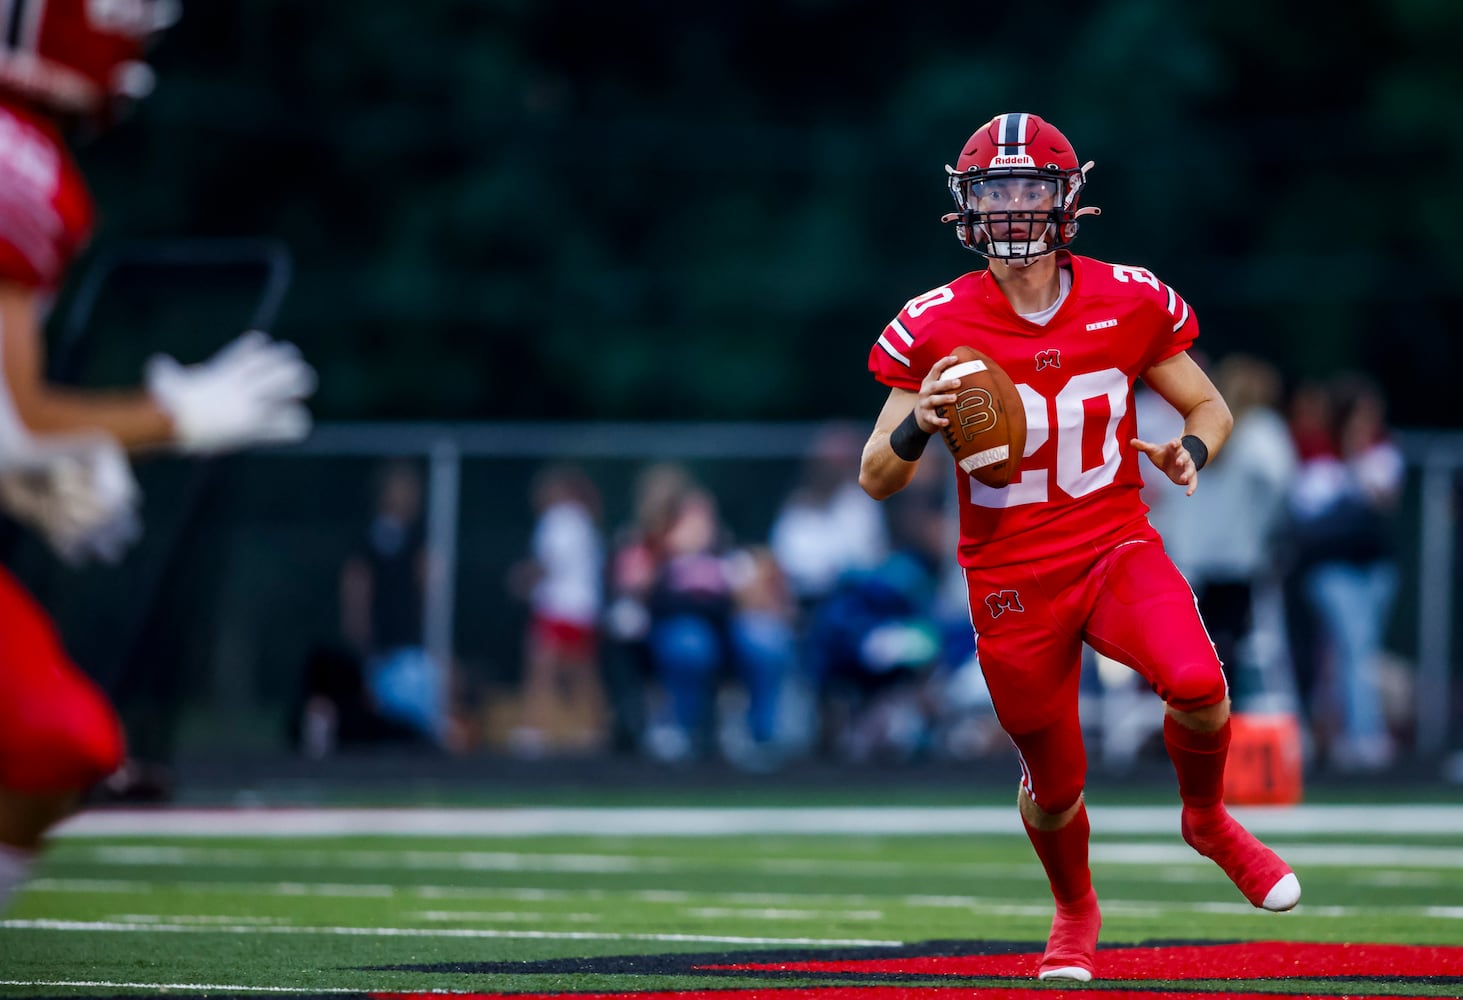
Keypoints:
pixel 1283 895
pixel 1073 972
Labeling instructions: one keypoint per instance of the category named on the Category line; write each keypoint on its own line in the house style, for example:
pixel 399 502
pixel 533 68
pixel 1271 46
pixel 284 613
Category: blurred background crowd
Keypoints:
pixel 591 289
pixel 842 629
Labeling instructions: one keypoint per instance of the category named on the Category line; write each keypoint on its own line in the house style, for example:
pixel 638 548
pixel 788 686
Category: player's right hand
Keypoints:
pixel 83 503
pixel 934 392
pixel 251 392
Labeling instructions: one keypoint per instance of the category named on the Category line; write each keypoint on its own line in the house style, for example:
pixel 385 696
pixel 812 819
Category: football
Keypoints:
pixel 987 428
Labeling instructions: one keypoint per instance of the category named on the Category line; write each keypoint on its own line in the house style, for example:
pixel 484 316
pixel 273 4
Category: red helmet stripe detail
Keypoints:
pixel 1013 134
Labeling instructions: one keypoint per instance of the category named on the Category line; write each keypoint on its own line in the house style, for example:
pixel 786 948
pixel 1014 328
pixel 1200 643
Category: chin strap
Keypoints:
pixel 1034 249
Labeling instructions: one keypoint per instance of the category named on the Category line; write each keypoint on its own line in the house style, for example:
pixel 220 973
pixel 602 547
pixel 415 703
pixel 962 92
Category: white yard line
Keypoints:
pixel 93 926
pixel 1315 855
pixel 1144 853
pixel 501 917
pixel 1430 820
pixel 976 907
pixel 778 913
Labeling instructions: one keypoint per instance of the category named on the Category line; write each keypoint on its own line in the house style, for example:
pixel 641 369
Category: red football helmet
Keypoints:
pixel 75 57
pixel 1016 185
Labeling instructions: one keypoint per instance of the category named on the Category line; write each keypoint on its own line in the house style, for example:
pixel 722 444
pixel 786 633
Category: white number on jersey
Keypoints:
pixel 1033 485
pixel 935 297
pixel 1125 273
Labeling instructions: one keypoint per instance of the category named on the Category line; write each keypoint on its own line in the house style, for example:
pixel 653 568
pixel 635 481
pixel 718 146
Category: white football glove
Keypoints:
pixel 251 392
pixel 83 504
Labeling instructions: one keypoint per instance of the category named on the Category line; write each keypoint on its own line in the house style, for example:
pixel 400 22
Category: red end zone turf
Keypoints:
pixel 1396 964
pixel 1242 960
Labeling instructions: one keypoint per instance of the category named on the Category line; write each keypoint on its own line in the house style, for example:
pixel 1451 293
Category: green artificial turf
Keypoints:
pixel 314 913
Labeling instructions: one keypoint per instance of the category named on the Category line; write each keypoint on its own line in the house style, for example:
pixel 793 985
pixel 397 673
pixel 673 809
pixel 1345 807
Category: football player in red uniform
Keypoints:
pixel 63 467
pixel 1064 554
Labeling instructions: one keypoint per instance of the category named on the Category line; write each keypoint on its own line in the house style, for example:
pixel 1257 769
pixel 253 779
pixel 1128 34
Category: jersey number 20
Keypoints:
pixel 1034 485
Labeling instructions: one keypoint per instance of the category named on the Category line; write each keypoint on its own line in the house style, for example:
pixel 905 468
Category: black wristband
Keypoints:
pixel 908 441
pixel 1197 450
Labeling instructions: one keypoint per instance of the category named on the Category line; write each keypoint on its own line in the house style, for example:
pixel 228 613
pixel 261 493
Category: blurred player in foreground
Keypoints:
pixel 63 467
pixel 1064 553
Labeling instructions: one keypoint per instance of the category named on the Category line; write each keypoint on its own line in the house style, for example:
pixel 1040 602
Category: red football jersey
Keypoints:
pixel 1079 479
pixel 46 211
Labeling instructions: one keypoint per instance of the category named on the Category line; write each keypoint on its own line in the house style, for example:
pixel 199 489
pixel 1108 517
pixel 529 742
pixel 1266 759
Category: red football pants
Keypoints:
pixel 58 732
pixel 1130 604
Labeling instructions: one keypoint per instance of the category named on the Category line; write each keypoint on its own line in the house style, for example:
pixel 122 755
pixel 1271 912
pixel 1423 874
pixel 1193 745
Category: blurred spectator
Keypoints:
pixel 764 646
pixel 955 712
pixel 1308 413
pixel 382 591
pixel 828 525
pixel 1341 506
pixel 714 609
pixel 872 644
pixel 1245 489
pixel 877 642
pixel 826 530
pixel 337 711
pixel 563 694
pixel 634 562
pixel 924 523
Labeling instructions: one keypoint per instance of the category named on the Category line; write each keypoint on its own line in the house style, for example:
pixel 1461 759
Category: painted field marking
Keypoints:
pixel 105 984
pixel 501 916
pixel 974 905
pixel 1334 855
pixel 1341 855
pixel 824 901
pixel 1392 818
pixel 777 913
pixel 201 919
pixel 91 926
pixel 328 890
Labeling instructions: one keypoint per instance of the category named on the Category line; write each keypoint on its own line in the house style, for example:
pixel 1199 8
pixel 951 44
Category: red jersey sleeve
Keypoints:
pixel 901 357
pixel 890 357
pixel 46 211
pixel 1179 320
pixel 1171 324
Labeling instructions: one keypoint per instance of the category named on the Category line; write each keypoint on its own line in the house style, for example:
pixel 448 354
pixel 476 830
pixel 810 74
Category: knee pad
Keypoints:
pixel 1195 686
pixel 1053 796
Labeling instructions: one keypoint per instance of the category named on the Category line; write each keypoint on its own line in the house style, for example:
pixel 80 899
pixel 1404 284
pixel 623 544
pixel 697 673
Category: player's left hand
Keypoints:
pixel 1173 460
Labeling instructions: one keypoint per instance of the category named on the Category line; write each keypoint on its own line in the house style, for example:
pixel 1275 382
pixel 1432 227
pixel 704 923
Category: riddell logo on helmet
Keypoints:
pixel 1012 161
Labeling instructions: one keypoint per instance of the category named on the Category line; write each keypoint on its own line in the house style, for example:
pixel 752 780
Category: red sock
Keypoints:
pixel 1207 827
pixel 1198 759
pixel 1063 854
